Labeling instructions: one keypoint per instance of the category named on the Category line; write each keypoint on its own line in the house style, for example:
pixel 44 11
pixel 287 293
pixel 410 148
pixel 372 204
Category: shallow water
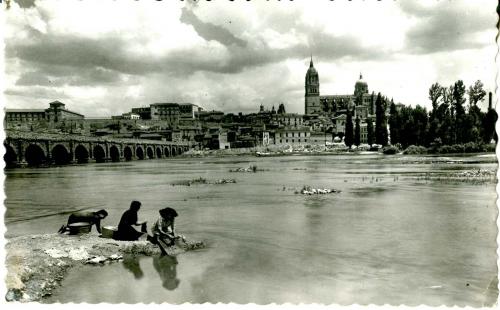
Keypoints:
pixel 393 235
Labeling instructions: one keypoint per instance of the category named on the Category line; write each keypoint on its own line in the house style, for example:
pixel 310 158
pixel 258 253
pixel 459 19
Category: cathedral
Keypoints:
pixel 361 102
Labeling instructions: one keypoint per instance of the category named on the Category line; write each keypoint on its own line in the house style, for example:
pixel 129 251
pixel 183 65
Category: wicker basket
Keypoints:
pixel 79 228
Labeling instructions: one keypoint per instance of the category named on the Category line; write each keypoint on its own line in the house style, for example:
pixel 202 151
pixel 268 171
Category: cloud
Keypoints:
pixel 209 31
pixel 446 26
pixel 25 3
pixel 64 75
pixel 40 93
pixel 234 56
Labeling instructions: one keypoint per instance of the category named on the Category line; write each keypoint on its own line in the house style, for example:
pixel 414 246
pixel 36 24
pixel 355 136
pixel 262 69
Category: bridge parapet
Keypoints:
pixel 11 134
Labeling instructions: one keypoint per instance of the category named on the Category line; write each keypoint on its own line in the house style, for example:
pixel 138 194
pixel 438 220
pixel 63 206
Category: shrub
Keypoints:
pixel 490 147
pixel 471 147
pixel 415 150
pixel 390 150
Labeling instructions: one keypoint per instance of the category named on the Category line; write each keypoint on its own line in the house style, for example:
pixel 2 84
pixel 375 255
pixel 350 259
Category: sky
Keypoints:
pixel 102 58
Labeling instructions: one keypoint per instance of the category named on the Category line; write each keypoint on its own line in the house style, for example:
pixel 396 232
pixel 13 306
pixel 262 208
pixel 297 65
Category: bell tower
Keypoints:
pixel 312 90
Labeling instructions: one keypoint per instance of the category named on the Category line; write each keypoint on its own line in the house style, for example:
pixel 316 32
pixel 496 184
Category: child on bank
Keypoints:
pixel 164 230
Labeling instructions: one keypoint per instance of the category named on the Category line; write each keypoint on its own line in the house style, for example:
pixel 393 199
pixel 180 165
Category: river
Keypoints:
pixel 397 232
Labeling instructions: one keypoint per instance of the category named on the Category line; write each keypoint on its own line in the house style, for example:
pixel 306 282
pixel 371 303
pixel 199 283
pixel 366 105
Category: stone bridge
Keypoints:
pixel 32 149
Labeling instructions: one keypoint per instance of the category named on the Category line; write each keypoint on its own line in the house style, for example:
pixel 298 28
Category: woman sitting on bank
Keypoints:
pixel 126 231
pixel 163 229
pixel 91 217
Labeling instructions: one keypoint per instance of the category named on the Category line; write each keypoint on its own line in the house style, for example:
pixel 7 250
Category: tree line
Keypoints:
pixel 451 121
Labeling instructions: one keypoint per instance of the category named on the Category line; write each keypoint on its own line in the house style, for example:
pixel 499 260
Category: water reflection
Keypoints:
pixel 166 266
pixel 131 263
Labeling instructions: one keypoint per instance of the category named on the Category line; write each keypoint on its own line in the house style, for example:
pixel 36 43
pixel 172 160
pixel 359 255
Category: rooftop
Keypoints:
pixel 25 110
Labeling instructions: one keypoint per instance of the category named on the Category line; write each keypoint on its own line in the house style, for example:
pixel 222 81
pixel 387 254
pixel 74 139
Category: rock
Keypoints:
pixel 56 253
pixel 116 257
pixel 13 294
pixel 96 260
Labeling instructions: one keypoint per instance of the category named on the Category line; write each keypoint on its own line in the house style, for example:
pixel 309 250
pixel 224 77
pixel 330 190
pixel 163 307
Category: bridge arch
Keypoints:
pixel 158 152
pixel 166 151
pixel 150 152
pixel 60 155
pixel 174 151
pixel 114 153
pixel 139 153
pixel 35 155
pixel 99 154
pixel 127 153
pixel 81 154
pixel 10 156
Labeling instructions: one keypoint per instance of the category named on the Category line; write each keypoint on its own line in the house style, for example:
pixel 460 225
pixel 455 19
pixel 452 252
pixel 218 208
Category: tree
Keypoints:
pixel 420 121
pixel 476 93
pixel 435 94
pixel 380 122
pixel 357 132
pixel 459 98
pixel 448 99
pixel 445 125
pixel 407 132
pixel 281 109
pixel 489 122
pixel 476 122
pixel 370 135
pixel 348 140
pixel 461 128
pixel 394 124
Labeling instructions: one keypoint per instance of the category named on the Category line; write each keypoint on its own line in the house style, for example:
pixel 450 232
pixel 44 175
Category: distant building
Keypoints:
pixel 292 135
pixel 56 112
pixel 211 116
pixel 189 110
pixel 24 115
pixel 143 112
pixel 166 111
pixel 189 133
pixel 288 119
pixel 131 115
pixel 320 138
pixel 216 138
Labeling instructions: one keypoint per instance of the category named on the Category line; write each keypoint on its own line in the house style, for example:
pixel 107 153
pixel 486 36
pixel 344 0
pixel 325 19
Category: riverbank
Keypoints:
pixel 37 264
pixel 340 148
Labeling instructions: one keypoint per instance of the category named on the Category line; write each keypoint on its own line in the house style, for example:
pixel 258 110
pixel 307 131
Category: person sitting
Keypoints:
pixel 126 231
pixel 164 230
pixel 93 218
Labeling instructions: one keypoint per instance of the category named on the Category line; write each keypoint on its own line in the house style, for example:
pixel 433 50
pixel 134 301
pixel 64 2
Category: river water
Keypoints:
pixel 396 233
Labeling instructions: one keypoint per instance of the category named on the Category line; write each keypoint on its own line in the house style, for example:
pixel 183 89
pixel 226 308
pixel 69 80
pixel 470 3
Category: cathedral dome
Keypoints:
pixel 361 87
pixel 361 82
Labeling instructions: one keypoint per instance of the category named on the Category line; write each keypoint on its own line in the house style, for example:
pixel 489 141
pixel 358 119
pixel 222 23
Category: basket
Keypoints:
pixel 79 228
pixel 108 231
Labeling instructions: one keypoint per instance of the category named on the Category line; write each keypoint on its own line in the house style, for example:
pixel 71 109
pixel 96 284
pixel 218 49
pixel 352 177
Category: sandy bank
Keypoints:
pixel 36 264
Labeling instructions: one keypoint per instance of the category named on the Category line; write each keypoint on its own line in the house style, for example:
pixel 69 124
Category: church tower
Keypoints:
pixel 312 91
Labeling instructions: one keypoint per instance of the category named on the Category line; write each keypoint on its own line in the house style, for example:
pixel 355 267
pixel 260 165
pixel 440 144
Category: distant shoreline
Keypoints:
pixel 263 152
